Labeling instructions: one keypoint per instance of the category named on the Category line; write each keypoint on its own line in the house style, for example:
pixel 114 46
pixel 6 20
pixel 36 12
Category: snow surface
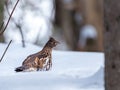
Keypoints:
pixel 70 71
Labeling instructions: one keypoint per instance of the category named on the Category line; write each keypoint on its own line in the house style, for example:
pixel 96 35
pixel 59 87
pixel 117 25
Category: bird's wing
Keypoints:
pixel 31 58
pixel 28 60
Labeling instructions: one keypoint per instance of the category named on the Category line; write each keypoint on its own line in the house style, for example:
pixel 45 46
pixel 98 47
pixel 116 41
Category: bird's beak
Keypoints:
pixel 57 42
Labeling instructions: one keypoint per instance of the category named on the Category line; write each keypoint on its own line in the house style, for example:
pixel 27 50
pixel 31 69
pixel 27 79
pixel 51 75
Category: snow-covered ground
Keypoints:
pixel 70 71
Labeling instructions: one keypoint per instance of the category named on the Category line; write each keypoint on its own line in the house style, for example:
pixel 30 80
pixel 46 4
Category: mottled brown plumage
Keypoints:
pixel 41 60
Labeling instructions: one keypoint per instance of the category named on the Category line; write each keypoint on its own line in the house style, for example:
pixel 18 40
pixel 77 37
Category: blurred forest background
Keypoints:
pixel 77 24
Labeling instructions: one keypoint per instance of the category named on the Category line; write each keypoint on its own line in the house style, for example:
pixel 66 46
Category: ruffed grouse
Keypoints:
pixel 41 60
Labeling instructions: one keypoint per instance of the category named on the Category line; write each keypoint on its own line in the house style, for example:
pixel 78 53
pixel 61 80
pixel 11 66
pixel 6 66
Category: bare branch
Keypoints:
pixel 18 25
pixel 22 36
pixel 5 50
pixel 1 26
pixel 9 18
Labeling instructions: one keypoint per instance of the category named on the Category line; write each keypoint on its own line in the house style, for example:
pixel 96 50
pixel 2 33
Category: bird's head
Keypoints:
pixel 52 42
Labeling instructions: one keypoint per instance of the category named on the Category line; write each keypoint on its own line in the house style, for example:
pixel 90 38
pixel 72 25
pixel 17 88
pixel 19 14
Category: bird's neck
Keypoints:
pixel 47 48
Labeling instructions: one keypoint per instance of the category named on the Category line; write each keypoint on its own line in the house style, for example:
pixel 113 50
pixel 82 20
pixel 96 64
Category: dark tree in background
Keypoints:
pixel 64 19
pixel 93 15
pixel 112 44
pixel 1 17
pixel 72 15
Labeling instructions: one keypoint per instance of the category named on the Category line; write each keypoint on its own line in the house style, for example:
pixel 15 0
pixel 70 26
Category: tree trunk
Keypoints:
pixel 1 17
pixel 64 17
pixel 112 43
pixel 93 15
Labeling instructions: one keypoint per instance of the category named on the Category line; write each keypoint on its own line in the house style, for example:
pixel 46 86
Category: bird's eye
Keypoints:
pixel 55 43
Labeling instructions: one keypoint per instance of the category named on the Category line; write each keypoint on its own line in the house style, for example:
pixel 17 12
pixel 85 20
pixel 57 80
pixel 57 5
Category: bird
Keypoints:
pixel 41 60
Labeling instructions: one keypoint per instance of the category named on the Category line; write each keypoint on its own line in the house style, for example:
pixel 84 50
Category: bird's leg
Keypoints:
pixel 38 68
pixel 49 64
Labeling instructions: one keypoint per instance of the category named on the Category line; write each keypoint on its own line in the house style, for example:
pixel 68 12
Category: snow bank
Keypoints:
pixel 70 71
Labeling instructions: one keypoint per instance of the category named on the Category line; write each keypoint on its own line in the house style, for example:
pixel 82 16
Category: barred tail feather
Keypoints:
pixel 20 69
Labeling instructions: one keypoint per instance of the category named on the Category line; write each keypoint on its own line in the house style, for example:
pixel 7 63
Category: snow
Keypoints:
pixel 70 71
pixel 88 31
